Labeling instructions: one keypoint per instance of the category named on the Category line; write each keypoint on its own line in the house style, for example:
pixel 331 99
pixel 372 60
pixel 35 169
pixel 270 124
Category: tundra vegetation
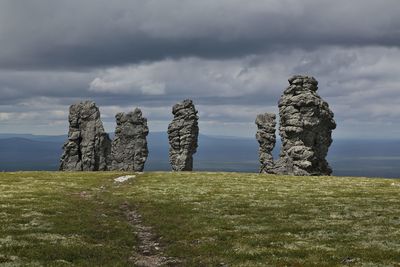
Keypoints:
pixel 199 218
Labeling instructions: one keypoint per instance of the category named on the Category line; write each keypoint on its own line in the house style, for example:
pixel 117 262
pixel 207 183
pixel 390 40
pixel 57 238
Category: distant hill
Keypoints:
pixel 377 158
pixel 36 152
pixel 44 138
pixel 18 153
pixel 371 158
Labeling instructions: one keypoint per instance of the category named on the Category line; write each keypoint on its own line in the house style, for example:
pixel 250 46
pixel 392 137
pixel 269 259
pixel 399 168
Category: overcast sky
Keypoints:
pixel 232 57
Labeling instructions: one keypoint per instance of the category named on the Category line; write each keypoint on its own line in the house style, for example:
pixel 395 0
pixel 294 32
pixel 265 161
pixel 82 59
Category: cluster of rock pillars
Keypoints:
pixel 305 127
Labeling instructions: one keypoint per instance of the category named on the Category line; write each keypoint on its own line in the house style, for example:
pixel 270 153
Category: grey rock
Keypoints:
pixel 129 148
pixel 88 146
pixel 266 138
pixel 183 133
pixel 306 125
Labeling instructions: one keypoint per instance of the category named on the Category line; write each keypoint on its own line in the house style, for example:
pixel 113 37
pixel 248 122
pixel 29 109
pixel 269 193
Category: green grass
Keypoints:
pixel 204 219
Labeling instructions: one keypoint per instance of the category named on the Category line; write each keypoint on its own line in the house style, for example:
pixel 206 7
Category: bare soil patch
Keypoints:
pixel 149 252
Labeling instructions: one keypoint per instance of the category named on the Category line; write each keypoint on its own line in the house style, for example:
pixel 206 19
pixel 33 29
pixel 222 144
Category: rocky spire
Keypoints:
pixel 129 147
pixel 88 146
pixel 183 132
pixel 306 125
pixel 266 138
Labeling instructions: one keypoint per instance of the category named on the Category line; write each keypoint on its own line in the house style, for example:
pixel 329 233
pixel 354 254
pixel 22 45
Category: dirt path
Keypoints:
pixel 149 253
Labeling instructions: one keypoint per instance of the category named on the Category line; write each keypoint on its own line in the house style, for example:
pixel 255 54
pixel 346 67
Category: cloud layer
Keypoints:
pixel 93 33
pixel 231 57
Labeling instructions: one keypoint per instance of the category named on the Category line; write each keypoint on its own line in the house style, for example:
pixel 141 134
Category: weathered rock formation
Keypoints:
pixel 306 125
pixel 266 138
pixel 88 146
pixel 183 132
pixel 129 147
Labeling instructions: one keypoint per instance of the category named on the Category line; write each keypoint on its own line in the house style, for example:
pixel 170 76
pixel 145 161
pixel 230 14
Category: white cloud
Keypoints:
pixel 191 77
pixel 5 116
pixel 360 84
pixel 128 81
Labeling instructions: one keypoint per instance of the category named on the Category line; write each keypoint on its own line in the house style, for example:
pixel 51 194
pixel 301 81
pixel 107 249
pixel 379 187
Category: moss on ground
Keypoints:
pixel 204 219
pixel 60 219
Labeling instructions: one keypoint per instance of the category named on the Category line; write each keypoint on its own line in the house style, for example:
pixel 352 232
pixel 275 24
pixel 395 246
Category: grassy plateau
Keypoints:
pixel 200 218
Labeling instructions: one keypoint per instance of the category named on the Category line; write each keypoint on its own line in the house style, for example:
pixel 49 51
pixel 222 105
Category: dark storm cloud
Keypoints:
pixel 17 86
pixel 93 33
pixel 232 57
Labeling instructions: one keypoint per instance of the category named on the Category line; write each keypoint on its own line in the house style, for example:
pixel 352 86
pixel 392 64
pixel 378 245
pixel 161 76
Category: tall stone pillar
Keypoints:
pixel 306 125
pixel 129 148
pixel 88 146
pixel 183 133
pixel 266 138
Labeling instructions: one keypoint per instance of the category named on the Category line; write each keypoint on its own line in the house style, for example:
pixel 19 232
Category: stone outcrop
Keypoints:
pixel 88 146
pixel 129 147
pixel 183 132
pixel 266 138
pixel 306 125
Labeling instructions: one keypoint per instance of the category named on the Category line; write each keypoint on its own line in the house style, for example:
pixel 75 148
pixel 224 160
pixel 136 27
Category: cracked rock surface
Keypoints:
pixel 306 124
pixel 129 148
pixel 183 133
pixel 88 146
pixel 266 138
